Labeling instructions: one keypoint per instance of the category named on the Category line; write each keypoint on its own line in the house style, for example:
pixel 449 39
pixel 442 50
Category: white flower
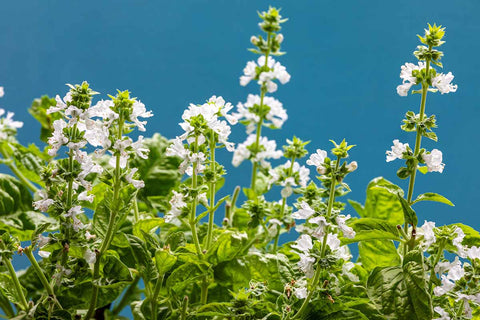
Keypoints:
pixel 44 254
pixel 61 104
pixel 446 286
pixel 352 166
pixel 276 115
pixel 304 212
pixel 433 160
pixel 97 133
pixel 456 271
pixel 443 314
pixel 89 236
pixel 269 151
pixel 306 264
pixel 300 293
pixel 428 235
pixel 249 73
pixel 322 223
pixel 83 196
pixel 318 159
pixel 457 242
pixel 139 110
pixel 42 241
pixel 346 230
pixel 177 203
pixel 333 241
pixel 90 256
pixel 346 268
pixel 276 71
pixel 177 149
pixel 442 83
pixel 2 92
pixel 398 149
pixel 303 243
pixel 58 138
pixel 136 183
pixel 73 213
pixel 138 148
pixel 121 146
pixel 408 79
pixel 223 107
pixel 8 125
pixel 473 253
pixel 44 203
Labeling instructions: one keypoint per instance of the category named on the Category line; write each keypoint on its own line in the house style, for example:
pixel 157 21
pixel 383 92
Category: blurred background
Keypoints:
pixel 344 58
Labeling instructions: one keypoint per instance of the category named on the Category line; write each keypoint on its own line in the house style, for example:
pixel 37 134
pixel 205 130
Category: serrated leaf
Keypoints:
pixel 164 261
pixel 430 196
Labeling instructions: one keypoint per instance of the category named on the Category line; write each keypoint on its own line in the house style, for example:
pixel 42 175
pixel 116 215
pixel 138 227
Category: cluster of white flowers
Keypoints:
pixel 210 113
pixel 279 175
pixel 275 117
pixel 426 230
pixel 408 79
pixel 317 160
pixel 8 126
pixel 441 81
pixel 265 77
pixel 398 149
pixel 433 160
pixel 242 152
pixel 177 203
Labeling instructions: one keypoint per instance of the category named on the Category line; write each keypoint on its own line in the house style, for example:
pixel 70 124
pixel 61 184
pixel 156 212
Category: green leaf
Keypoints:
pixel 430 196
pixel 7 287
pixel 215 309
pixel 367 229
pixel 409 214
pixel 423 170
pixel 227 246
pixel 164 261
pixel 147 226
pixel 401 291
pixel 357 206
pixel 14 196
pixel 378 253
pixel 114 273
pixel 23 224
pixel 143 257
pixel 186 275
pixel 159 172
pixel 381 203
pixel 29 161
pixel 472 236
pixel 274 269
pixel 39 111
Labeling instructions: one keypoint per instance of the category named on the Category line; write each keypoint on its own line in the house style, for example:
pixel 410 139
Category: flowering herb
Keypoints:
pixel 120 220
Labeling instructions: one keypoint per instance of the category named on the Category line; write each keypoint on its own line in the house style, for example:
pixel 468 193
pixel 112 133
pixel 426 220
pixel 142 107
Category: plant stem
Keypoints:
pixel 260 123
pixel 13 275
pixel 193 212
pixel 418 141
pixel 439 254
pixel 212 192
pixel 156 291
pixel 41 275
pixel 183 315
pixel 124 301
pixel 6 307
pixel 318 270
pixel 230 213
pixel 282 210
pixel 111 225
pixel 135 209
pixel 204 292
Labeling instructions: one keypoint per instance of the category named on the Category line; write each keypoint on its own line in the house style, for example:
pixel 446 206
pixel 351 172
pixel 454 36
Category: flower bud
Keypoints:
pixel 352 166
pixel 254 40
pixel 279 38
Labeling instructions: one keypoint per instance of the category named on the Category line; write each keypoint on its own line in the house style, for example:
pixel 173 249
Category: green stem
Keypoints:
pixel 111 226
pixel 212 192
pixel 318 270
pixel 156 291
pixel 183 315
pixel 193 212
pixel 17 172
pixel 260 123
pixel 6 307
pixel 41 275
pixel 126 296
pixel 135 209
pixel 418 141
pixel 282 209
pixel 439 254
pixel 204 292
pixel 13 275
pixel 231 211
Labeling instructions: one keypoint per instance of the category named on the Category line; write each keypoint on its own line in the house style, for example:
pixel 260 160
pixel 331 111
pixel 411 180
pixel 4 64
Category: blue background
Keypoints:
pixel 344 58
